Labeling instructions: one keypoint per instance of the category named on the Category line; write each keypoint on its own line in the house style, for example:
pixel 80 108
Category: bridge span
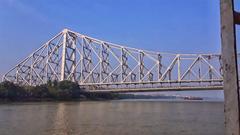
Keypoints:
pixel 98 65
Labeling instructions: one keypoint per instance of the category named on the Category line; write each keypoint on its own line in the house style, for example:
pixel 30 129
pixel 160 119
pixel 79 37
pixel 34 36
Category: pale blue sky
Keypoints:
pixel 189 26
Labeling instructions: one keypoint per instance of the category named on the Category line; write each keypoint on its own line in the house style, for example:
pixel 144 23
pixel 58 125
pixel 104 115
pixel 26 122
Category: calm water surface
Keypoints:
pixel 112 118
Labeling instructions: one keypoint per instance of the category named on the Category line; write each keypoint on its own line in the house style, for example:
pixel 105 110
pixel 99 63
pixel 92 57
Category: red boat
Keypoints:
pixel 193 98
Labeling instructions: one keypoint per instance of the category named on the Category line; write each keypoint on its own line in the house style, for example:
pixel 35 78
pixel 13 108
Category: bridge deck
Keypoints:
pixel 127 90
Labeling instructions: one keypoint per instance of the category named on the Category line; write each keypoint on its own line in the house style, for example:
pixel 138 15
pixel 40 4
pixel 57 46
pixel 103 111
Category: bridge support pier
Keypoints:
pixel 230 70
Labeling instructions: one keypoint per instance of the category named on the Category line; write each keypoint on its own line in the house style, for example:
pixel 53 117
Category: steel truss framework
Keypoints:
pixel 100 65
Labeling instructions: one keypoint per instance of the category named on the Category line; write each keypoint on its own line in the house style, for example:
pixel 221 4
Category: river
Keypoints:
pixel 118 117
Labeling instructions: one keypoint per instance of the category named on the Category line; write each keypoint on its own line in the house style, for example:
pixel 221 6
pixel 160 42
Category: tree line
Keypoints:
pixel 52 90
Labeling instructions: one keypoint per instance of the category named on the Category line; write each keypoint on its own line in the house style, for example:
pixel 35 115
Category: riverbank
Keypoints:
pixel 5 101
pixel 70 91
pixel 52 91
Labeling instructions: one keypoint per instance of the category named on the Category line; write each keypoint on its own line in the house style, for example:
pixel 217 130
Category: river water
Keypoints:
pixel 143 117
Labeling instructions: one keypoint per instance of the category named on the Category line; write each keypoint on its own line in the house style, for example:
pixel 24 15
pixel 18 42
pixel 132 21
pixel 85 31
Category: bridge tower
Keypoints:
pixel 68 65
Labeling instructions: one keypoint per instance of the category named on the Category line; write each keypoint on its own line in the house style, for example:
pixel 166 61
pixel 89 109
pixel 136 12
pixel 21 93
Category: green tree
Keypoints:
pixel 11 91
pixel 52 89
pixel 68 89
pixel 40 91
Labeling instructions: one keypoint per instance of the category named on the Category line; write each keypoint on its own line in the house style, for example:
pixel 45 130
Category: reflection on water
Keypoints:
pixel 60 125
pixel 112 118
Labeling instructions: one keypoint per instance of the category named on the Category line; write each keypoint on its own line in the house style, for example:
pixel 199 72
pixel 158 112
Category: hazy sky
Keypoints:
pixel 189 26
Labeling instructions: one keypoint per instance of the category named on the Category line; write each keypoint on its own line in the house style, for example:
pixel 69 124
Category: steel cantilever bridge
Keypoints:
pixel 103 66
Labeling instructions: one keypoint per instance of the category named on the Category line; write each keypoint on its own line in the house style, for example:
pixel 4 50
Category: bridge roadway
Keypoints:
pixel 154 86
pixel 151 89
